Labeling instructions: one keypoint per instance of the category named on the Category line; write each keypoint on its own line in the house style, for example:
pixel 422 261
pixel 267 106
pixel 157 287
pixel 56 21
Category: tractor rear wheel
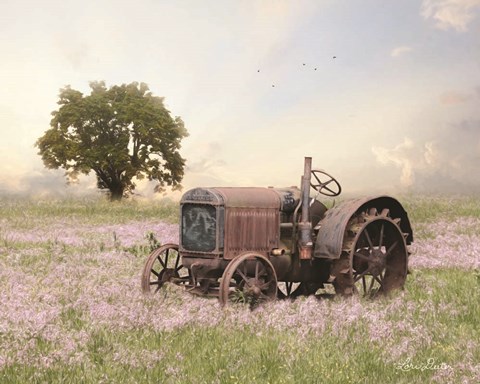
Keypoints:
pixel 374 259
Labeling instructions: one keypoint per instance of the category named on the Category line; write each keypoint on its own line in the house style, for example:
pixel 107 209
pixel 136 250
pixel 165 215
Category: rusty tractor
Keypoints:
pixel 256 244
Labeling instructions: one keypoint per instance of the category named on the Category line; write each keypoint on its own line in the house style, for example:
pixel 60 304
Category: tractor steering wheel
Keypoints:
pixel 323 186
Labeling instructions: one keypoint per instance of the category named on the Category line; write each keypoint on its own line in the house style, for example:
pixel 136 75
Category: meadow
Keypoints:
pixel 71 308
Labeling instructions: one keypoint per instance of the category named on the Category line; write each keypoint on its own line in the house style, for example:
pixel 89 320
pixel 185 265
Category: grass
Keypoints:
pixel 442 306
pixel 27 212
pixel 433 208
pixel 72 311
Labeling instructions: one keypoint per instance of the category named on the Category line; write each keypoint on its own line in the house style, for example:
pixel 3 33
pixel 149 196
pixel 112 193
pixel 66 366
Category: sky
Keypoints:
pixel 383 95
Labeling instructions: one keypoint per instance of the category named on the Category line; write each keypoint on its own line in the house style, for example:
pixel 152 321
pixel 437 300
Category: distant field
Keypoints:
pixel 72 310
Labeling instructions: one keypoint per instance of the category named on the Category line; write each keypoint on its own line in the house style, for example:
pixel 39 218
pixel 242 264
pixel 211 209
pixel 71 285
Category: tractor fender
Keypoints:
pixel 328 244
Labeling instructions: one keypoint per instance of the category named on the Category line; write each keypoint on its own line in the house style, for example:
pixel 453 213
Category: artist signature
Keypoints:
pixel 430 364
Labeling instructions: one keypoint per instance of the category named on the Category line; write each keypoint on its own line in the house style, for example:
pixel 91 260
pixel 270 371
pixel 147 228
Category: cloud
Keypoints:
pixel 207 158
pixel 44 182
pixel 401 50
pixel 453 97
pixel 450 14
pixel 446 162
pixel 403 156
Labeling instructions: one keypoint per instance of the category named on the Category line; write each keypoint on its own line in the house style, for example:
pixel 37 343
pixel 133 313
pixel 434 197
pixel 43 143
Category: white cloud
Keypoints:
pixel 436 165
pixel 455 14
pixel 453 97
pixel 401 157
pixel 398 51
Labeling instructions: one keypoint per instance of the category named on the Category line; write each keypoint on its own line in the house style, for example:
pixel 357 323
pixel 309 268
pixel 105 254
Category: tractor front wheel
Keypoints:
pixel 249 278
pixel 164 266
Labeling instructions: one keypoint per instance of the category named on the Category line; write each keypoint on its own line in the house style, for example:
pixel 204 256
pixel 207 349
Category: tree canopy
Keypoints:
pixel 121 133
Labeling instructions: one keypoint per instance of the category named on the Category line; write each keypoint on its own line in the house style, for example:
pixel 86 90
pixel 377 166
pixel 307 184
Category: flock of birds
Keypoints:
pixel 304 64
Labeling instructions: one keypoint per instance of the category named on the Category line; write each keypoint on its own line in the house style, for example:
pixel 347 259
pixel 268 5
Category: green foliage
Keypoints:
pixel 120 133
pixel 153 242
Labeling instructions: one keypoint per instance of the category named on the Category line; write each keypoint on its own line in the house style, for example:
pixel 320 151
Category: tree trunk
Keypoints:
pixel 116 192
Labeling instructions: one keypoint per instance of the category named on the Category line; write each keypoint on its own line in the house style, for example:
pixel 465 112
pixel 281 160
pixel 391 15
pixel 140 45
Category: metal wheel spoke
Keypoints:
pixel 155 282
pixel 362 256
pixel 243 276
pixel 364 284
pixel 245 268
pixel 364 273
pixel 179 268
pixel 377 279
pixel 371 286
pixel 164 265
pixel 265 285
pixel 176 262
pixel 391 248
pixel 381 235
pixel 264 296
pixel 256 270
pixel 166 258
pixel 368 239
pixel 289 287
pixel 155 272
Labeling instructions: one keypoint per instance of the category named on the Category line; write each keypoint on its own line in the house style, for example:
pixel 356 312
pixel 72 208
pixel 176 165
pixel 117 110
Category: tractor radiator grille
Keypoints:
pixel 251 229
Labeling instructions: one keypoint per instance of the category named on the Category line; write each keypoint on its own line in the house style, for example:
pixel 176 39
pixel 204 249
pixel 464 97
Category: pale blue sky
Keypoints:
pixel 396 110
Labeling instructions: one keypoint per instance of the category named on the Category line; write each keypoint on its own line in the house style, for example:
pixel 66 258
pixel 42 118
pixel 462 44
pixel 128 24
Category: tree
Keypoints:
pixel 120 133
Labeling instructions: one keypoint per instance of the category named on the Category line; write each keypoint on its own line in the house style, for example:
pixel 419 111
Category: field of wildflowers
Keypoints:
pixel 71 308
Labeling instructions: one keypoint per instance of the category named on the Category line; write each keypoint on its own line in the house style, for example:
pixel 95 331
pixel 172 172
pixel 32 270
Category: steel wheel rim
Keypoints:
pixel 164 266
pixel 248 279
pixel 375 259
pixel 378 258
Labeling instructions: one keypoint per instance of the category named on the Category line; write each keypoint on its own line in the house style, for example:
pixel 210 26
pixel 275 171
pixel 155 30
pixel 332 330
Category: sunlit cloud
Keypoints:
pixel 401 156
pixel 437 165
pixel 401 50
pixel 450 14
pixel 453 97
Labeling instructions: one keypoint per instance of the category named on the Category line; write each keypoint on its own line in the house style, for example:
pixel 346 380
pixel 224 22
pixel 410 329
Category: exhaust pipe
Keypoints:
pixel 305 242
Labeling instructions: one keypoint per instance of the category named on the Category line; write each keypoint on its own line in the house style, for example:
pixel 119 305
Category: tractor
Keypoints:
pixel 252 244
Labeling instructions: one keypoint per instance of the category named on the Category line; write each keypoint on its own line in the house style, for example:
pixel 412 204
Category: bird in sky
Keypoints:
pixel 303 64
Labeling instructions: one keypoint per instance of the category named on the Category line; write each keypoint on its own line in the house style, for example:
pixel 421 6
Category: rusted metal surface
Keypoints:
pixel 250 279
pixel 251 229
pixel 164 265
pixel 241 197
pixel 244 240
pixel 331 233
pixel 305 243
pixel 252 220
pixel 374 258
